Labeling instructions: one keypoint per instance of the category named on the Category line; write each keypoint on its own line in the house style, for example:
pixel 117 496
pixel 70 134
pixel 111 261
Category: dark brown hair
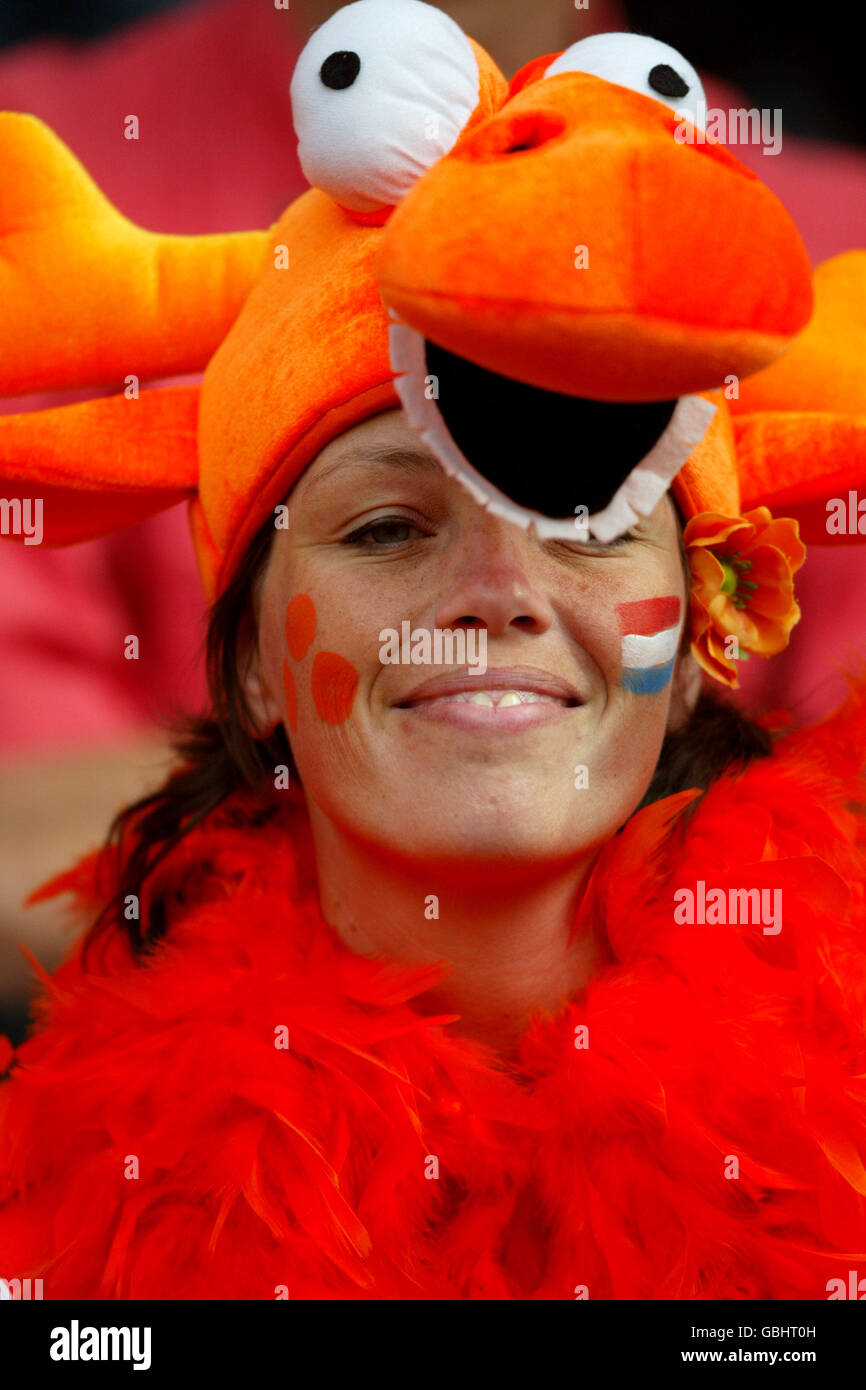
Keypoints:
pixel 219 753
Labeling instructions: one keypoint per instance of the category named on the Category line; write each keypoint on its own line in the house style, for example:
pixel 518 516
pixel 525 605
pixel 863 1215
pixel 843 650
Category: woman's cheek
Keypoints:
pixel 330 678
pixel 290 693
pixel 334 682
pixel 300 625
pixel 649 632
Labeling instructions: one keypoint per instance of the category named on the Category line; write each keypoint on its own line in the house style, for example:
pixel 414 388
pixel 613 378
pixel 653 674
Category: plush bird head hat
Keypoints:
pixel 575 293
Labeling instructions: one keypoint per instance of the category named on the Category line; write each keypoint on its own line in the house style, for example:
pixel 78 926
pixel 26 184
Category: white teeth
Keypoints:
pixel 500 699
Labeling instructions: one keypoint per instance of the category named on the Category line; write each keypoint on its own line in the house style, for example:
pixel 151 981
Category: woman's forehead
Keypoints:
pixel 387 429
pixel 387 441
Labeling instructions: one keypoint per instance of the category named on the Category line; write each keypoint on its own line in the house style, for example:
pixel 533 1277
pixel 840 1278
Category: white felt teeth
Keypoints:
pixel 637 496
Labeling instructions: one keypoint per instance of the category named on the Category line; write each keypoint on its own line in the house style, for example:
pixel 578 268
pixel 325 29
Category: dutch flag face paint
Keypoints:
pixel 650 631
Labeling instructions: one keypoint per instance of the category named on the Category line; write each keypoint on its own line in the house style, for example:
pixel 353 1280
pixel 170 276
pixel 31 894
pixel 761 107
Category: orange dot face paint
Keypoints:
pixel 300 625
pixel 291 696
pixel 334 682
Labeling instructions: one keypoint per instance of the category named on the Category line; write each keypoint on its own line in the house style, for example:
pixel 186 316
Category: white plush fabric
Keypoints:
pixel 418 84
pixel 628 59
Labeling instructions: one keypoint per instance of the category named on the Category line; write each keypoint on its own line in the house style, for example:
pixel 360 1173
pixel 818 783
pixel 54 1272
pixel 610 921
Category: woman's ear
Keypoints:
pixel 685 689
pixel 259 698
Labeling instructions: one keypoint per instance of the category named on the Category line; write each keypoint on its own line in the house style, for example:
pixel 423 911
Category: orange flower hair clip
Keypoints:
pixel 742 592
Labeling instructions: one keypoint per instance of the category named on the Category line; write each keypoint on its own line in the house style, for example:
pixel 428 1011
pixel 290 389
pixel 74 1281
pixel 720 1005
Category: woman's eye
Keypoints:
pixel 391 530
pixel 591 546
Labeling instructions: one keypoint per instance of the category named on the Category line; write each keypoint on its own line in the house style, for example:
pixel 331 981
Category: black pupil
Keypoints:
pixel 339 70
pixel 666 82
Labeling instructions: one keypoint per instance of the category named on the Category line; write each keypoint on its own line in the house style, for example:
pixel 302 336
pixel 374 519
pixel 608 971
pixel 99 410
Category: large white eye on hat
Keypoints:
pixel 380 93
pixel 645 65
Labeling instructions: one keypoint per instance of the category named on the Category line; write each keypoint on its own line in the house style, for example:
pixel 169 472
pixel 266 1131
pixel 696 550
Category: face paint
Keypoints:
pixel 300 625
pixel 334 681
pixel 291 696
pixel 650 630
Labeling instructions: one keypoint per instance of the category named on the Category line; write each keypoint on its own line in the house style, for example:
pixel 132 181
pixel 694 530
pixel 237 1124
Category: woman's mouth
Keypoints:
pixel 500 699
pixel 470 702
pixel 499 711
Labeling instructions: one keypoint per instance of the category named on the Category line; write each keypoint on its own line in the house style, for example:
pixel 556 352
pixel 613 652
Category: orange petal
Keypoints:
pixel 721 670
pixel 708 574
pixel 759 517
pixel 765 636
pixel 784 535
pixel 775 592
pixel 775 604
pixel 711 528
pixel 699 618
pixel 716 645
pixel 729 621
pixel 724 615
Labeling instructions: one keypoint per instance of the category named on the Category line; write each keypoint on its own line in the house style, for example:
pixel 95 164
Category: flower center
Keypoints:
pixel 740 589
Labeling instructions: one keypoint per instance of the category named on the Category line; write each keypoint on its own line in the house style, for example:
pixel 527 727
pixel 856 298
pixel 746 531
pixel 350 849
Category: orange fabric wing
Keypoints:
pixel 99 465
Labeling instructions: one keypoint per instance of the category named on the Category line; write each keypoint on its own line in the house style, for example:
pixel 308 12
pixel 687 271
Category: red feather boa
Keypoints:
pixel 263 1169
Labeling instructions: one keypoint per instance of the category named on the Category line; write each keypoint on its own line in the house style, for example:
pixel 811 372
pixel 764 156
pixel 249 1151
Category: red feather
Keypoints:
pixel 311 1167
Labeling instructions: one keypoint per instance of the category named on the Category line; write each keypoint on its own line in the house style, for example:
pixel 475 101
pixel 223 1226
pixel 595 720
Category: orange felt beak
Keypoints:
pixel 574 243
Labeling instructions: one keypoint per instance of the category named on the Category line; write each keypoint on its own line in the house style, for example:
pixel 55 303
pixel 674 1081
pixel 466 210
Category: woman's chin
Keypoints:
pixel 513 833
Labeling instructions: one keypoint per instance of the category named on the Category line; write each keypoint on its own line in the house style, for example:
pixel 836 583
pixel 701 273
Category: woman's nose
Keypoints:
pixel 492 585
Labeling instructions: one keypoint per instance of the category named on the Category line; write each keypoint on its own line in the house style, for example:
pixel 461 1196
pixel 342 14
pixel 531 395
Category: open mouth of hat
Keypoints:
pixel 564 464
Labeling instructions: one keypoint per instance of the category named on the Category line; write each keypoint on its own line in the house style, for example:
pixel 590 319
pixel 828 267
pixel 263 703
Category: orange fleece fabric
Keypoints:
pixel 696 277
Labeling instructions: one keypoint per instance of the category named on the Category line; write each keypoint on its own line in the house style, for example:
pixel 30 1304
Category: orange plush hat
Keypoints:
pixel 575 294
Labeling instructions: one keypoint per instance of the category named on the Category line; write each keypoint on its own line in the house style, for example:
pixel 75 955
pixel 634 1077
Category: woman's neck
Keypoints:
pixel 505 935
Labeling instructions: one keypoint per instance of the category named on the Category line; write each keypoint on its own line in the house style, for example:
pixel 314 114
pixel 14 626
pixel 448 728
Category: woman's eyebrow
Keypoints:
pixel 399 456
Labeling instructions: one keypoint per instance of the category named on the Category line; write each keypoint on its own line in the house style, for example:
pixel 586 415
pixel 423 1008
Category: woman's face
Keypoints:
pixel 379 539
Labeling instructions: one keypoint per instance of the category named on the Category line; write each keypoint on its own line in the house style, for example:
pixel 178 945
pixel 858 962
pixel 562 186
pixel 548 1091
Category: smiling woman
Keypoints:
pixel 388 991
pixel 463 781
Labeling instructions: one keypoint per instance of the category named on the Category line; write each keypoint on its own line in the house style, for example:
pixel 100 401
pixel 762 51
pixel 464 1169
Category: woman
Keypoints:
pixel 529 973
